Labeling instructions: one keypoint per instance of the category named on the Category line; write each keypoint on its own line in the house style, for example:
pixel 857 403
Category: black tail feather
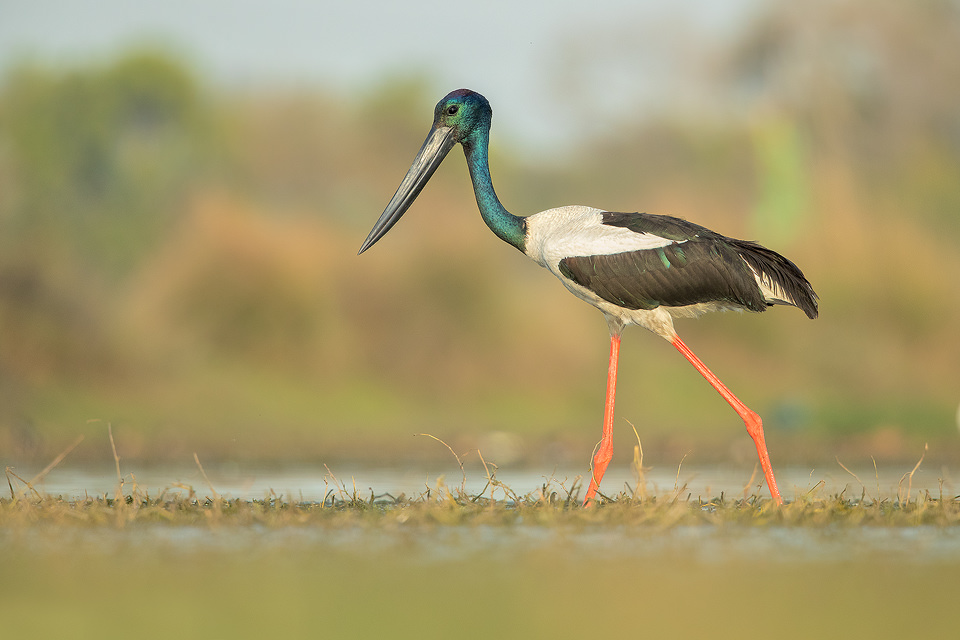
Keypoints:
pixel 781 273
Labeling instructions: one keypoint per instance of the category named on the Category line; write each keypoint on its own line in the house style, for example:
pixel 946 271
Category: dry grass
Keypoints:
pixel 552 504
pixel 443 507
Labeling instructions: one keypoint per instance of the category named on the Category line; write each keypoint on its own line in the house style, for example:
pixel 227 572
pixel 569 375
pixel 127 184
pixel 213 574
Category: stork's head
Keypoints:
pixel 462 116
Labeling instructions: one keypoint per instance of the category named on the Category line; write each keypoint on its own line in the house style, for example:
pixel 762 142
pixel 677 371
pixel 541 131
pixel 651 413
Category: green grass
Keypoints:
pixel 319 592
pixel 450 564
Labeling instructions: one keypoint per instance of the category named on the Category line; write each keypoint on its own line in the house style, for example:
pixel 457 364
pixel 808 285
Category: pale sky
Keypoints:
pixel 586 57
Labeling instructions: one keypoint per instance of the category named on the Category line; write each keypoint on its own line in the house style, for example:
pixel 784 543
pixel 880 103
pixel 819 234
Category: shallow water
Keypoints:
pixel 920 545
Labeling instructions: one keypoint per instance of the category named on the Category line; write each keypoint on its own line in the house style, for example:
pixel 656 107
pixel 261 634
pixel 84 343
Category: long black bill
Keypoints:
pixel 435 148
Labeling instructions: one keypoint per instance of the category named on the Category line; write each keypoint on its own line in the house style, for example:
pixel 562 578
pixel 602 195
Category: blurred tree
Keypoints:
pixel 98 156
pixel 867 80
pixel 155 244
pixel 93 164
pixel 784 184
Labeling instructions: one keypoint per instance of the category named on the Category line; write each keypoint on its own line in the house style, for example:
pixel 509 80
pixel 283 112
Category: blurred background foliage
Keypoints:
pixel 179 260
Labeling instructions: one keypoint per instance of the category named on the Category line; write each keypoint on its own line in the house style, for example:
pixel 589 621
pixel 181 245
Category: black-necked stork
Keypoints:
pixel 637 268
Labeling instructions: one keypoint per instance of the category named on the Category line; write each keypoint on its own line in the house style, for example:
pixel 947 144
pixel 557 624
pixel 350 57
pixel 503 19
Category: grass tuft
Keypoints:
pixel 552 504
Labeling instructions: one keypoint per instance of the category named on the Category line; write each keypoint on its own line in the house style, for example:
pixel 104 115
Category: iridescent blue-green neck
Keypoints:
pixel 508 227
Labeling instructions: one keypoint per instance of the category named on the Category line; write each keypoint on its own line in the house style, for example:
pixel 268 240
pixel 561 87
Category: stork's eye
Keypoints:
pixel 452 109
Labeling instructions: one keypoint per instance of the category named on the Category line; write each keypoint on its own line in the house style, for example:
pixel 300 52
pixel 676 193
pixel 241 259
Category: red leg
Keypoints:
pixel 750 419
pixel 605 451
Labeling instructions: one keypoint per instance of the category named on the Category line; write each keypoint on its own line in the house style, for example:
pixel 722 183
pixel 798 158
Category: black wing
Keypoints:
pixel 700 266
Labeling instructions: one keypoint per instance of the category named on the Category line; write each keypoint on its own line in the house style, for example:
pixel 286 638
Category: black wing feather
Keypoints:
pixel 703 266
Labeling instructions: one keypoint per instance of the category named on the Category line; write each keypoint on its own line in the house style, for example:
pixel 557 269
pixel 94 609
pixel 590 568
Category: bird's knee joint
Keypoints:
pixel 754 423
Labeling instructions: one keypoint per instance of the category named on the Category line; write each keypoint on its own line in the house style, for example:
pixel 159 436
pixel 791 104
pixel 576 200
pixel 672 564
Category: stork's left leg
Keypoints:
pixel 605 450
pixel 750 419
